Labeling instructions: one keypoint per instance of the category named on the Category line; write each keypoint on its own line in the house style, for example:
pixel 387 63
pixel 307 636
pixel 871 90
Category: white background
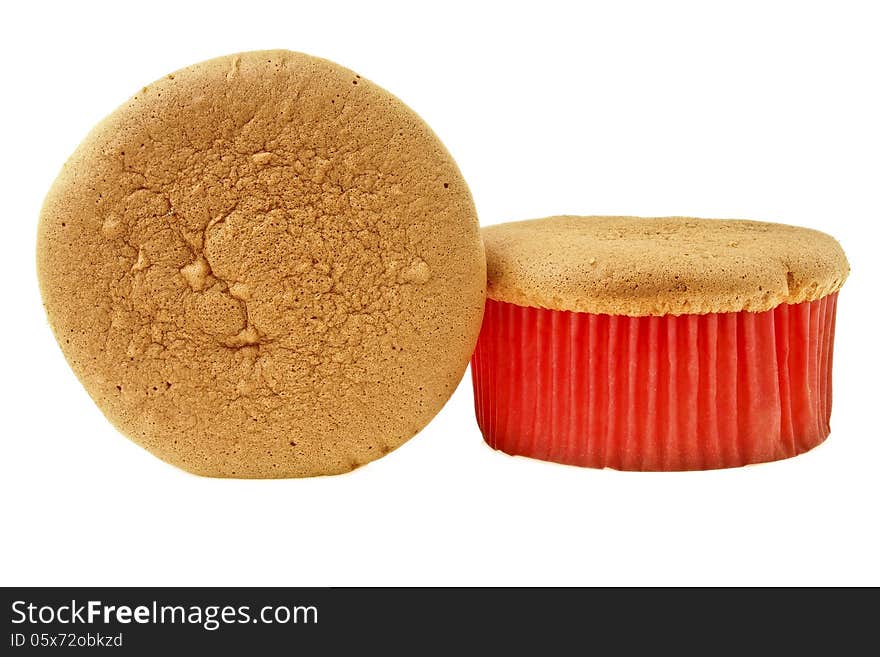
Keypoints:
pixel 761 110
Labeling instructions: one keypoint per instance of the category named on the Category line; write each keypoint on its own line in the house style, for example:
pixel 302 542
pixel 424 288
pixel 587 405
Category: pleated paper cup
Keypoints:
pixel 685 392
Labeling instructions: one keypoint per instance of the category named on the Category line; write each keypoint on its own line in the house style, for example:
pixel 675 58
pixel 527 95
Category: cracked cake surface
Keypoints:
pixel 263 265
pixel 651 266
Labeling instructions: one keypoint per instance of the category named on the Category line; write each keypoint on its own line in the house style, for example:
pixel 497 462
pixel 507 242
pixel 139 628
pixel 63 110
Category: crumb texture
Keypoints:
pixel 264 265
pixel 639 266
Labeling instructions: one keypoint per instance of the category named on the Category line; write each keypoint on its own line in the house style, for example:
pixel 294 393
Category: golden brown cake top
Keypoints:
pixel 264 265
pixel 641 266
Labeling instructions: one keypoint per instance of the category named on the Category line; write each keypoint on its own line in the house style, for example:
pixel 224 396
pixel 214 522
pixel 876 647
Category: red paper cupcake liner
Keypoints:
pixel 688 392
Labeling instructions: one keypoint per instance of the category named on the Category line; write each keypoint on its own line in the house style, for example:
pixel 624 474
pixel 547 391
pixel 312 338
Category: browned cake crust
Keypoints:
pixel 641 266
pixel 264 265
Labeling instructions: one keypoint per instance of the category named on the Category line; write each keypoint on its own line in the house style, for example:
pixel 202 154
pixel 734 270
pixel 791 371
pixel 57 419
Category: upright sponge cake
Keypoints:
pixel 263 265
pixel 657 343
